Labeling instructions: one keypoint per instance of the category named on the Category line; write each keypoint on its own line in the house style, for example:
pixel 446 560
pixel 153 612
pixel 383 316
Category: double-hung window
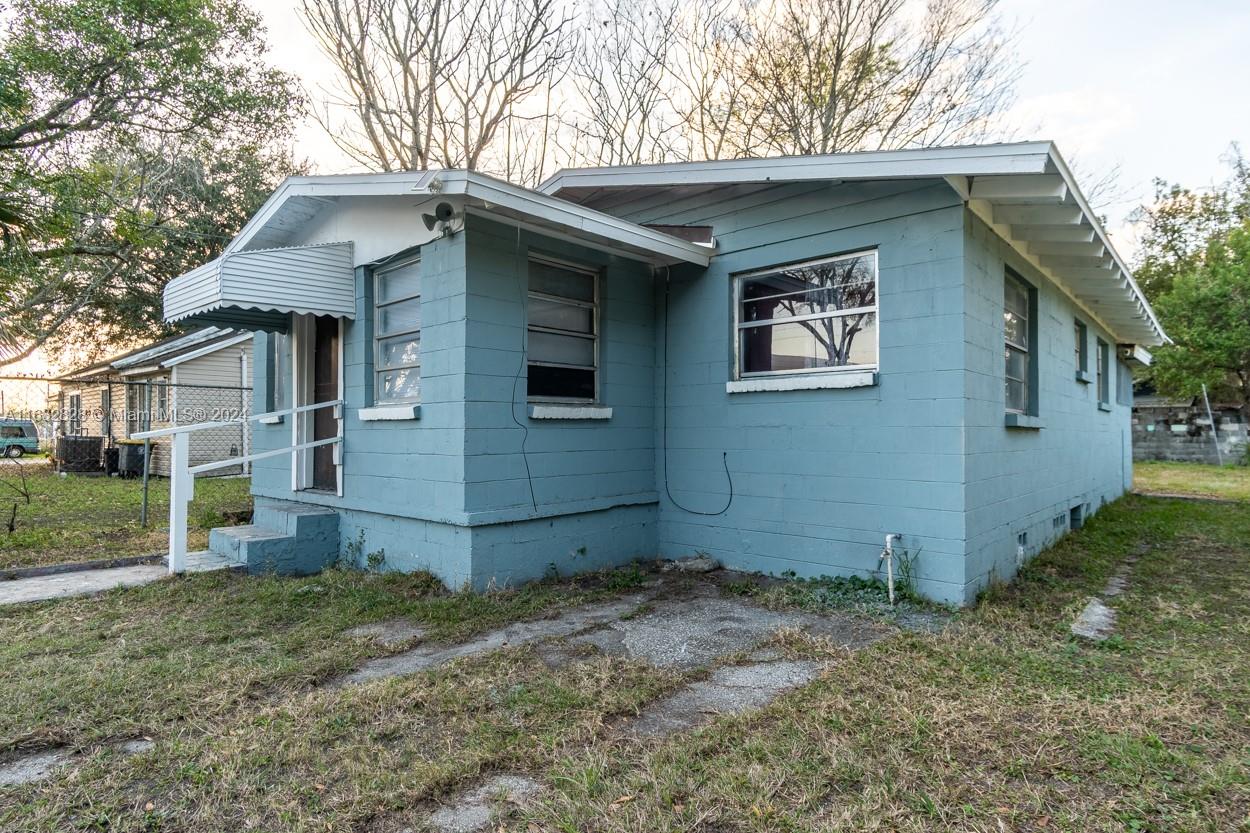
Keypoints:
pixel 1104 373
pixel 810 317
pixel 397 332
pixel 1018 314
pixel 1082 351
pixel 562 322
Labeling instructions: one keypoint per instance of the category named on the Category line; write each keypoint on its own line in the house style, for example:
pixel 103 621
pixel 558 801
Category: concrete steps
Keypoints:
pixel 285 537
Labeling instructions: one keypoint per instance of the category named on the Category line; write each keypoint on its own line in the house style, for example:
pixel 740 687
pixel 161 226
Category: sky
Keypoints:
pixel 1153 88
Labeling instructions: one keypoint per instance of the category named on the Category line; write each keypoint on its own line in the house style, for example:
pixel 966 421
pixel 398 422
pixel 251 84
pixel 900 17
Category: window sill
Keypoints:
pixel 1104 406
pixel 828 381
pixel 1084 376
pixel 570 412
pixel 388 413
pixel 1024 421
pixel 270 420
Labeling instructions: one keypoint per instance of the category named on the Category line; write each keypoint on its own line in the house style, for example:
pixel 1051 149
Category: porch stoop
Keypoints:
pixel 285 537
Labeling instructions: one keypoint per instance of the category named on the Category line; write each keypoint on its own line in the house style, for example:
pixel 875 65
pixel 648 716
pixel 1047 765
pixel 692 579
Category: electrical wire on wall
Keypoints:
pixel 724 455
pixel 516 380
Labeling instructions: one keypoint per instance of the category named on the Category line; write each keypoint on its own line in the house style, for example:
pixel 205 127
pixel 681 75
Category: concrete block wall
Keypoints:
pixel 403 481
pixel 450 492
pixel 1019 481
pixel 819 477
pixel 1184 434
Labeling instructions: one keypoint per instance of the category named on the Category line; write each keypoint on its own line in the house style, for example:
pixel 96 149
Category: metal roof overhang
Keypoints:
pixel 1025 192
pixel 259 289
pixel 559 218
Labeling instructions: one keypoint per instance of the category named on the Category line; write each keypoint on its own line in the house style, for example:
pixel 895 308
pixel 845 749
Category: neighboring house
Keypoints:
pixel 203 375
pixel 775 361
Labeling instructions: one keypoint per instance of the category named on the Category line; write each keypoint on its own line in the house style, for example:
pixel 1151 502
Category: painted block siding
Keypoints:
pixel 817 477
pixel 820 476
pixel 1026 482
pixel 450 492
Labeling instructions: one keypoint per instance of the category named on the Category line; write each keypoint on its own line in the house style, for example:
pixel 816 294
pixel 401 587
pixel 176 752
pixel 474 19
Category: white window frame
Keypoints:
pixel 75 414
pixel 740 326
pixel 594 275
pixel 379 273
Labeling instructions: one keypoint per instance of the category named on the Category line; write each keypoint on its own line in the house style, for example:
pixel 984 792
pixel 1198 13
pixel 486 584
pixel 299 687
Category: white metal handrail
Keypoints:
pixel 182 473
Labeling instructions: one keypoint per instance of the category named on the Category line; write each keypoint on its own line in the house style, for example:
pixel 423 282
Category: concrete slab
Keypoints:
pixel 695 631
pixel 476 809
pixel 728 690
pixel 520 633
pixel 83 583
pixel 87 582
pixel 44 763
pixel 35 766
pixel 1096 622
pixel 389 632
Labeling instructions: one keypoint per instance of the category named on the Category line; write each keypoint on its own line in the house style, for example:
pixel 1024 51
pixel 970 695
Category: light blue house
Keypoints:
pixel 777 362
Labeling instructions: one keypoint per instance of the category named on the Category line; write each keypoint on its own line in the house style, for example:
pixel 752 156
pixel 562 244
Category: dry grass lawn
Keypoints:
pixel 79 518
pixel 1004 722
pixel 1225 482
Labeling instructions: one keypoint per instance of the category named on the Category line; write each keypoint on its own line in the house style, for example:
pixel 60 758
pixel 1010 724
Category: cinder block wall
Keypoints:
pixel 818 476
pixel 558 496
pixel 1025 481
pixel 403 481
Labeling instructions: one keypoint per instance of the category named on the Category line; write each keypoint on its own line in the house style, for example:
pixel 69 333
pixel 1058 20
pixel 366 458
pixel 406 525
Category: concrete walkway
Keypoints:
pixel 87 582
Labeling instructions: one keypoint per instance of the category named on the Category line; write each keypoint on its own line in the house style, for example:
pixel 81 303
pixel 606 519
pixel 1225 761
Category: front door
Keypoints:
pixel 325 388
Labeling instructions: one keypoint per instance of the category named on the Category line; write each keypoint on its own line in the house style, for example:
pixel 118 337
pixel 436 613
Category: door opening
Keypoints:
pixel 317 373
pixel 325 388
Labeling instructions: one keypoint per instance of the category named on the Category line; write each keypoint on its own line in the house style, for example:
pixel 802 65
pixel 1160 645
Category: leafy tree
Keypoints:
pixel 1207 314
pixel 135 137
pixel 1181 221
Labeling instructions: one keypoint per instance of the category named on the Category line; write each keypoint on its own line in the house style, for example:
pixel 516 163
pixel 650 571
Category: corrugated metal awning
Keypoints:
pixel 258 290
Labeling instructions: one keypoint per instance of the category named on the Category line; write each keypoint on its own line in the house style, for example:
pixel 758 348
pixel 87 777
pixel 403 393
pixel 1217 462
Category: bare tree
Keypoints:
pixel 827 76
pixel 430 83
pixel 622 77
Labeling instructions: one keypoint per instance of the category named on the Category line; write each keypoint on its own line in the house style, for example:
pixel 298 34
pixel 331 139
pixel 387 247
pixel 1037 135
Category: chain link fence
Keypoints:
pixel 91 422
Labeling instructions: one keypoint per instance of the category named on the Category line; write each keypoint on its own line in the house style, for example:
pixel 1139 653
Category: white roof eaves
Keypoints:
pixel 569 215
pixel 968 160
pixel 952 163
pixel 336 185
pixel 1062 167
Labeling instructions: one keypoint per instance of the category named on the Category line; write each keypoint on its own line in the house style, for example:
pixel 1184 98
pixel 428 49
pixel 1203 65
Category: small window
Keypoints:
pixel 74 418
pixel 11 431
pixel 562 323
pixel 811 317
pixel 160 392
pixel 1104 373
pixel 1019 320
pixel 1082 350
pixel 397 332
